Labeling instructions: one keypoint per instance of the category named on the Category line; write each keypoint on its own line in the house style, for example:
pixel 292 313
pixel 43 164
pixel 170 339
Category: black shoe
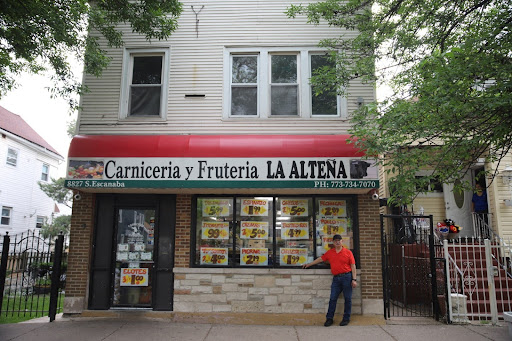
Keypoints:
pixel 344 322
pixel 328 323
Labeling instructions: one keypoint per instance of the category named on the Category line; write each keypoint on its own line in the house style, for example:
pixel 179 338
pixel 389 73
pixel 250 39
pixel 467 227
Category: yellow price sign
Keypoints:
pixel 215 211
pixel 255 233
pixel 293 259
pixel 333 229
pixel 294 233
pixel 254 260
pixel 214 259
pixel 215 234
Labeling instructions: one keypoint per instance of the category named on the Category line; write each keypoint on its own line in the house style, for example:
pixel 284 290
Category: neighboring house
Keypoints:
pixel 442 202
pixel 26 159
pixel 206 172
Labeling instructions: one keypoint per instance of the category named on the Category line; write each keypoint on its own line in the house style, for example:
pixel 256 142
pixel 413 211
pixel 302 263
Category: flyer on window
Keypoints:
pixel 254 208
pixel 333 226
pixel 254 256
pixel 214 256
pixel 332 208
pixel 134 277
pixel 294 207
pixel 216 207
pixel 293 256
pixel 295 230
pixel 215 230
pixel 253 230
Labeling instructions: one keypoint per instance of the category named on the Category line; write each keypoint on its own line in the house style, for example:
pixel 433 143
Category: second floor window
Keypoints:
pixel 45 172
pixel 40 222
pixel 145 83
pixel 275 82
pixel 12 156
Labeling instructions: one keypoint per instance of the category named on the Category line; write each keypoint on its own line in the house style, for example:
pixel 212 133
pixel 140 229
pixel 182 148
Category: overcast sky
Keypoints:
pixel 48 117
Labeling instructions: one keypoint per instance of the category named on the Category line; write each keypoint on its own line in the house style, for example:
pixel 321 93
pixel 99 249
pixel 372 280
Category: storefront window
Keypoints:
pixel 269 231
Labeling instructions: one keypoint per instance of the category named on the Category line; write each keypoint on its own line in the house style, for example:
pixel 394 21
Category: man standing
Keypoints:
pixel 343 268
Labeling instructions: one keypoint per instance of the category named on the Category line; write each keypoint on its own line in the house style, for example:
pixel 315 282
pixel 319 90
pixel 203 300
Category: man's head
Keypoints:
pixel 336 237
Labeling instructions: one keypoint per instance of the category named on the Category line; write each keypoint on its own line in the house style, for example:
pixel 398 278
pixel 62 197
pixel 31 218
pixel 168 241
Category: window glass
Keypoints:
pixel 45 172
pixel 333 216
pixel 325 103
pixel 294 231
pixel 40 222
pixel 244 85
pixel 254 231
pixel 246 231
pixel 214 236
pixel 284 88
pixel 146 87
pixel 6 215
pixel 12 156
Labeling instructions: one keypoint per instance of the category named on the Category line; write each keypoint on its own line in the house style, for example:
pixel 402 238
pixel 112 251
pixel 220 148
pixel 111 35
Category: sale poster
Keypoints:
pixel 216 207
pixel 333 226
pixel 295 230
pixel 215 230
pixel 294 207
pixel 134 277
pixel 254 256
pixel 254 208
pixel 214 256
pixel 333 208
pixel 293 256
pixel 253 230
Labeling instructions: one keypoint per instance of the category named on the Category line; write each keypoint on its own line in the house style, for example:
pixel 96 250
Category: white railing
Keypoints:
pixel 479 280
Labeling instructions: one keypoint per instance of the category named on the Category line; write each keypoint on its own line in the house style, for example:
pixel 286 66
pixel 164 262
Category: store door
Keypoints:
pixel 134 257
pixel 133 248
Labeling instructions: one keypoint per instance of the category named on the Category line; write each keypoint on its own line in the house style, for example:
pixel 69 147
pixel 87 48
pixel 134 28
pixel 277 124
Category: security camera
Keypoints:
pixel 375 196
pixel 77 196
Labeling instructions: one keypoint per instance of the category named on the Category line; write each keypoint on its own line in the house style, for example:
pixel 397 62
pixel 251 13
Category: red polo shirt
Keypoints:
pixel 340 262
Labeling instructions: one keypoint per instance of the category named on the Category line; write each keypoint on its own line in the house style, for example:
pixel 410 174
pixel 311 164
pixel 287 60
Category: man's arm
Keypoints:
pixel 354 275
pixel 315 262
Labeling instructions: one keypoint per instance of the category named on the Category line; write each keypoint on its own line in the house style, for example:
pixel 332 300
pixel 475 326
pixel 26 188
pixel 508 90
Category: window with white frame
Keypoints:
pixel 45 172
pixel 12 156
pixel 275 82
pixel 6 215
pixel 145 83
pixel 40 221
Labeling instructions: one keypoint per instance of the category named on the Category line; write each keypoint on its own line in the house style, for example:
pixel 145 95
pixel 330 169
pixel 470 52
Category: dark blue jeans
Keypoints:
pixel 341 284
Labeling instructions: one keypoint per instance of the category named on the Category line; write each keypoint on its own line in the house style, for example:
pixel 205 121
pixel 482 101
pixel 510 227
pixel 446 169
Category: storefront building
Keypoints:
pixel 208 193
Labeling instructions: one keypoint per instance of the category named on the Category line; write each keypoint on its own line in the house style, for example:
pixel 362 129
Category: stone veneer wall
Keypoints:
pixel 256 291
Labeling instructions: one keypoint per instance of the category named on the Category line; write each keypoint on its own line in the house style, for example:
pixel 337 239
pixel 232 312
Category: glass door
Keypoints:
pixel 134 258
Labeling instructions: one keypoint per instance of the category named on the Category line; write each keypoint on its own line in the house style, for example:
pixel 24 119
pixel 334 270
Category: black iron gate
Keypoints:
pixel 411 269
pixel 32 275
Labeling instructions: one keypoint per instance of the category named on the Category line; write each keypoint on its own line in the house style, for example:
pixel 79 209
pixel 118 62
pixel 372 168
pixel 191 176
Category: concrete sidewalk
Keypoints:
pixel 107 328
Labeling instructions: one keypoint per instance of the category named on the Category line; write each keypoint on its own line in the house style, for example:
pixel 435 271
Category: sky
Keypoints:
pixel 48 117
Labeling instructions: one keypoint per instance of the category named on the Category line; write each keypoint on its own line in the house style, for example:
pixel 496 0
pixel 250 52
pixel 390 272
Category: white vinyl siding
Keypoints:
pixel 196 67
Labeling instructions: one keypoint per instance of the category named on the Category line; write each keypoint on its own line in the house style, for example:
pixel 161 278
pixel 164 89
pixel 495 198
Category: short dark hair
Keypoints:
pixel 336 236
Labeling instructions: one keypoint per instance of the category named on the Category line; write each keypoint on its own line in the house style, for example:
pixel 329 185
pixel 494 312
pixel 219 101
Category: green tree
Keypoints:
pixel 59 224
pixel 36 36
pixel 449 67
pixel 56 190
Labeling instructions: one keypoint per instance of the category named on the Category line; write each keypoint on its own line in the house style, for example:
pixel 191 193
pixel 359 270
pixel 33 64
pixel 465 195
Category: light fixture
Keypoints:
pixel 360 102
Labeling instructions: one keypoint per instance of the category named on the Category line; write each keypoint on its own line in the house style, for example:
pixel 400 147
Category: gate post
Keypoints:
pixel 3 267
pixel 54 288
pixel 490 282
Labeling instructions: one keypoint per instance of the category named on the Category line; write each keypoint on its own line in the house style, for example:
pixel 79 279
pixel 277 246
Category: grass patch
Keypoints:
pixel 18 308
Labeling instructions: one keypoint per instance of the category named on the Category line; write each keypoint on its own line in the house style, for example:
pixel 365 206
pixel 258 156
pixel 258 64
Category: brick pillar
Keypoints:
pixel 183 226
pixel 370 248
pixel 79 259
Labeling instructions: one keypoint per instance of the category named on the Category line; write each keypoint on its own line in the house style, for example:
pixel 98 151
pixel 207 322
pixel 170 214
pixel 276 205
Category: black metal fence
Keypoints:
pixel 32 275
pixel 413 268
